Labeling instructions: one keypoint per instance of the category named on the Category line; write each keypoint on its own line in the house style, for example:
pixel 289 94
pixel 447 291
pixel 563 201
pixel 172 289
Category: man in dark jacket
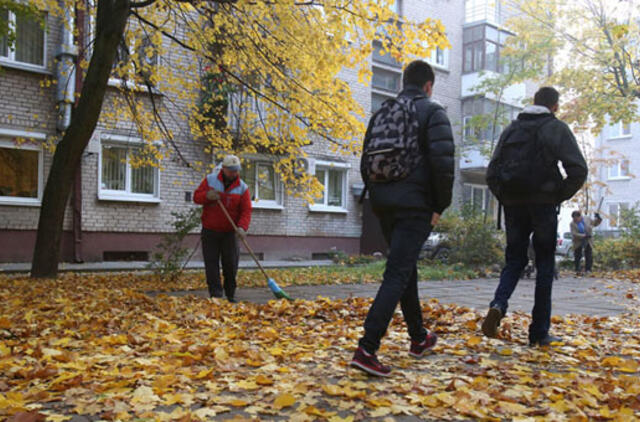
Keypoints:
pixel 534 210
pixel 407 210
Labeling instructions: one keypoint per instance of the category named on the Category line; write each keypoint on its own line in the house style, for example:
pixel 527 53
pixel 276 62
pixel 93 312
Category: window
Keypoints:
pixel 119 180
pixel 21 172
pixel 624 129
pixel 386 79
pixel 619 170
pixel 481 48
pixel 377 100
pixel 615 213
pixel 484 10
pixel 28 49
pixel 384 58
pixel 479 198
pixel 264 184
pixel 333 178
pixel 136 74
pixel 439 58
pixel 484 110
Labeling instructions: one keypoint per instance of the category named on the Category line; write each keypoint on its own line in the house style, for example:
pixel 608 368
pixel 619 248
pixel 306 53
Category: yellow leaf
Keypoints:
pixel 263 380
pixel 284 400
pixel 276 351
pixel 312 410
pixel 204 373
pixel 5 323
pixel 332 389
pixel 474 341
pixel 429 401
pixel 379 412
pixel 340 419
pixel 4 350
pixel 505 352
pixel 238 403
pixel 379 402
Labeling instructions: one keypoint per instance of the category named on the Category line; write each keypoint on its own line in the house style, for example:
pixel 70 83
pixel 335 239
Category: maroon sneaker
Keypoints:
pixel 418 350
pixel 369 363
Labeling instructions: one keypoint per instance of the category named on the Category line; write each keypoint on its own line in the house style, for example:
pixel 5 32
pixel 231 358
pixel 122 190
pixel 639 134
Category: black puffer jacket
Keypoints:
pixel 558 144
pixel 429 186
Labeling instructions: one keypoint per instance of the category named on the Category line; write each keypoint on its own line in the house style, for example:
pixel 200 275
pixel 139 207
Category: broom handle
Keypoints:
pixel 244 241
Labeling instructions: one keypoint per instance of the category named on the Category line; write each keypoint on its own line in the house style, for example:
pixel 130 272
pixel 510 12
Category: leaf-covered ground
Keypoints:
pixel 98 346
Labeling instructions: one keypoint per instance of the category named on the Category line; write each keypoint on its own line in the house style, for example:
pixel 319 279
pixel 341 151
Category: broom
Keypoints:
pixel 277 291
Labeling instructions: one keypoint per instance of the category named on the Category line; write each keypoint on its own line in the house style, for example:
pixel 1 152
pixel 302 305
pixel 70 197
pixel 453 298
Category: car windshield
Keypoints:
pixel 567 235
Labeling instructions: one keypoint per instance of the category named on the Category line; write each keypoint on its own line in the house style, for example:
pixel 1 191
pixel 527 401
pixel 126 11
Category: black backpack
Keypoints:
pixel 391 149
pixel 519 165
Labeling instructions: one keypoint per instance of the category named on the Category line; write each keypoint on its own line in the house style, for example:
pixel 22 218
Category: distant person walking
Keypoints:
pixel 523 174
pixel 407 165
pixel 582 233
pixel 218 237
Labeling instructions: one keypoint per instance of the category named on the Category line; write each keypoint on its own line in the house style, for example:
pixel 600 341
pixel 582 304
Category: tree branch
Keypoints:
pixel 141 4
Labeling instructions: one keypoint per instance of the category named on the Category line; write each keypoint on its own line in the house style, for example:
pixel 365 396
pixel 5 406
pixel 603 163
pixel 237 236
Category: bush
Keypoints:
pixel 624 252
pixel 171 256
pixel 472 239
pixel 342 258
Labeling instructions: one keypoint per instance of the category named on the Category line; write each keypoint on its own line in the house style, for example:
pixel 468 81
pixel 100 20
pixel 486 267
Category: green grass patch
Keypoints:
pixel 349 274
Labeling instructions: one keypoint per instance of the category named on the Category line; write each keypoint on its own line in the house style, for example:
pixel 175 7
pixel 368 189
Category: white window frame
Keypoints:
pixel 386 91
pixel 619 132
pixel 332 165
pixel 268 204
pixel 126 195
pixel 115 81
pixel 617 216
pixel 36 136
pixel 618 166
pixel 485 191
pixel 466 121
pixel 432 60
pixel 10 61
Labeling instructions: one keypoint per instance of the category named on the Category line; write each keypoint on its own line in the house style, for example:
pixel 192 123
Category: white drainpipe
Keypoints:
pixel 66 72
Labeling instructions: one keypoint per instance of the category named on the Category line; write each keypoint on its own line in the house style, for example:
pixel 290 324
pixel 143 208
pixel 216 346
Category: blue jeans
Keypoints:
pixel 405 236
pixel 521 221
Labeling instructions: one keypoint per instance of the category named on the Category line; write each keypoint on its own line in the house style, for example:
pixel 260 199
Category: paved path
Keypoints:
pixel 570 296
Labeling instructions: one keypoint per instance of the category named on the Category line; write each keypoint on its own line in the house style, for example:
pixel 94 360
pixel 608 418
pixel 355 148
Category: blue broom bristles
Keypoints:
pixel 277 291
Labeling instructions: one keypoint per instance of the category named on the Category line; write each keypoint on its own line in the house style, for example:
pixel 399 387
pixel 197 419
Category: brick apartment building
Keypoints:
pixel 119 212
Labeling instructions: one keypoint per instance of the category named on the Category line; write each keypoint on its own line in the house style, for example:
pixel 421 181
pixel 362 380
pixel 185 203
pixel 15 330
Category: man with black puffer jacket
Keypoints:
pixel 524 175
pixel 408 209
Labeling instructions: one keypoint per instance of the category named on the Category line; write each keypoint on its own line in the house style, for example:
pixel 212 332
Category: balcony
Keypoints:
pixel 490 11
pixel 473 159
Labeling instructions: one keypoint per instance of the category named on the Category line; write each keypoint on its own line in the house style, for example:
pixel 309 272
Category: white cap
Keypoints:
pixel 231 162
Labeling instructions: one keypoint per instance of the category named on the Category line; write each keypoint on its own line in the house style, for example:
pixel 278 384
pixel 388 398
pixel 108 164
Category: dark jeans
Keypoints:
pixel 405 237
pixel 588 256
pixel 216 245
pixel 521 221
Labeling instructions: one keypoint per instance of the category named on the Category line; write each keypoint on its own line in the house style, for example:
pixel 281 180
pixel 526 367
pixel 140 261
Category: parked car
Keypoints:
pixel 435 247
pixel 564 244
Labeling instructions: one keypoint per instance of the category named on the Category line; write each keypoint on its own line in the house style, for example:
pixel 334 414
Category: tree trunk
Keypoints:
pixel 110 23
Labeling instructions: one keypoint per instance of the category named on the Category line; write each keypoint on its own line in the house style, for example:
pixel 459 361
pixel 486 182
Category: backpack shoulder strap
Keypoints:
pixel 537 133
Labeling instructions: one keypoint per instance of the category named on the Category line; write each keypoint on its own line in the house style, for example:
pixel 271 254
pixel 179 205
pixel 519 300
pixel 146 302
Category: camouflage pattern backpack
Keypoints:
pixel 391 149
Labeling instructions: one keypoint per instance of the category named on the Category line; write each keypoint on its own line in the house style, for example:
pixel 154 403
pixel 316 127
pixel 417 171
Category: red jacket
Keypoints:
pixel 236 200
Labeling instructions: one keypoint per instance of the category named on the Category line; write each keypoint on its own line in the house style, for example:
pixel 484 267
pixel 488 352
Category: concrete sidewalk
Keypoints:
pixel 571 295
pixel 24 267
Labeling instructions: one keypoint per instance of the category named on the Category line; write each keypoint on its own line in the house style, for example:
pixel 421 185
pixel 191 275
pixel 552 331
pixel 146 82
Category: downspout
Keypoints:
pixel 67 81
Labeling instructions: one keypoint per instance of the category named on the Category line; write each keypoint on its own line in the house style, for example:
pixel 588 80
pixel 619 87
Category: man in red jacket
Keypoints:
pixel 218 237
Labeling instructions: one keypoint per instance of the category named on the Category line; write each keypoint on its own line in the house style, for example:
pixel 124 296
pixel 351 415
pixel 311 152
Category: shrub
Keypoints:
pixel 624 252
pixel 617 254
pixel 472 239
pixel 171 256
